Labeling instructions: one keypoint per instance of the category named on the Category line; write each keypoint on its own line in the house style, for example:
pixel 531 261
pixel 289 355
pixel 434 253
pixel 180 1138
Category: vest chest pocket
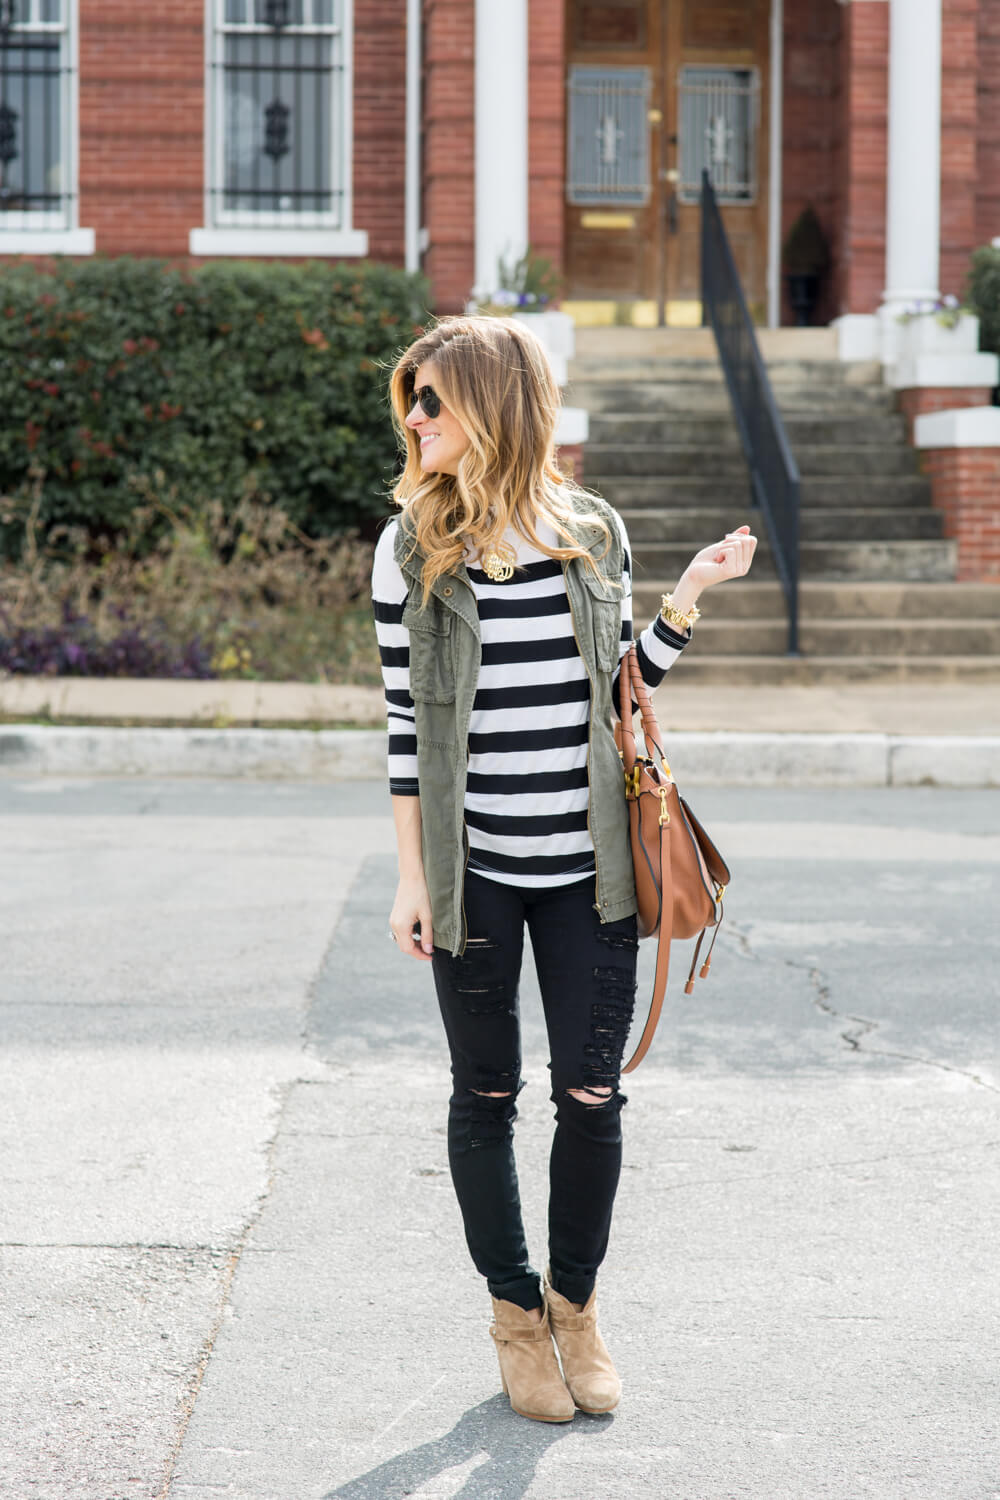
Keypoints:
pixel 606 612
pixel 432 662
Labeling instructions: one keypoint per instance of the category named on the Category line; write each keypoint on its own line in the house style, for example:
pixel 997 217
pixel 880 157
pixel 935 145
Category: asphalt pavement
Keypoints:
pixel 231 1260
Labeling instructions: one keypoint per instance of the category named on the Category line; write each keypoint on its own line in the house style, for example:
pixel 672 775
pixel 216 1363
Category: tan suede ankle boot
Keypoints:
pixel 591 1377
pixel 529 1369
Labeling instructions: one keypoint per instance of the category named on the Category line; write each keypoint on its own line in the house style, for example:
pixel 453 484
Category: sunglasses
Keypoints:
pixel 428 399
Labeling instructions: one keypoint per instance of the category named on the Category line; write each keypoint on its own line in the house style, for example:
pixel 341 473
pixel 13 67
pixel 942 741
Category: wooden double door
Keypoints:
pixel 657 91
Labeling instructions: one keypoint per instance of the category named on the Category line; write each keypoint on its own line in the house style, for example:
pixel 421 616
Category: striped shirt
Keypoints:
pixel 526 795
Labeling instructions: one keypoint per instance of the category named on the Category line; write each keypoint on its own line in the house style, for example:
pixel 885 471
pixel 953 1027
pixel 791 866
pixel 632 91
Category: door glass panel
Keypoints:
pixel 608 136
pixel 719 117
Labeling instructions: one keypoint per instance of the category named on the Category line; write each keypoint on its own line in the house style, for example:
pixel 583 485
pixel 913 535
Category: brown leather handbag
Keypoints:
pixel 680 876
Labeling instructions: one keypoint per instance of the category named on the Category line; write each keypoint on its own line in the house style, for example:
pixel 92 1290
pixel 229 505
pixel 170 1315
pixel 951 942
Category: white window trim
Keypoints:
pixel 278 242
pixel 290 238
pixel 32 238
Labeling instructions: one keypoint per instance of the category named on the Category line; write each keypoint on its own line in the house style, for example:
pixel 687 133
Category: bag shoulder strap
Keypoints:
pixel 662 957
pixel 630 682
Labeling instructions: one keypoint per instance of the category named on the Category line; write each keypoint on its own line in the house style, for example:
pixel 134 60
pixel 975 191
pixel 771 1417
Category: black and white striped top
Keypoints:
pixel 526 794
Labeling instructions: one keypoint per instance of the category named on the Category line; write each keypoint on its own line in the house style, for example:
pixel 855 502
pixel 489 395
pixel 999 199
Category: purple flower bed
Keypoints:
pixel 72 648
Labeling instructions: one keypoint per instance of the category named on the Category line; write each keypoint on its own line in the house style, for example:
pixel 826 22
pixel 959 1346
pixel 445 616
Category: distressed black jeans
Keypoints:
pixel 586 974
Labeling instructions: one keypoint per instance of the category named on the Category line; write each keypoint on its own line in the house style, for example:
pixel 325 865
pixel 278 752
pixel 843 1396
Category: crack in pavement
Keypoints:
pixel 828 1166
pixel 862 1026
pixel 284 1091
pixel 865 1026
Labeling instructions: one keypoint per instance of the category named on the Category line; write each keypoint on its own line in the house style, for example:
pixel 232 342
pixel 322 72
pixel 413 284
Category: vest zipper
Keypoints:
pixel 464 934
pixel 590 743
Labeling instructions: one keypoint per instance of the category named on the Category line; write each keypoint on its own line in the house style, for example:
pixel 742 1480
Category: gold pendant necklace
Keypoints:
pixel 499 564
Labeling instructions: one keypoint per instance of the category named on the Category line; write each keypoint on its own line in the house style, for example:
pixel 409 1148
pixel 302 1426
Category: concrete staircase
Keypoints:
pixel 878 600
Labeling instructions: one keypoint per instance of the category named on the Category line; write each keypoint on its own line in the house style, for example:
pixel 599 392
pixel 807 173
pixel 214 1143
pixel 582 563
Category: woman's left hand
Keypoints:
pixel 730 558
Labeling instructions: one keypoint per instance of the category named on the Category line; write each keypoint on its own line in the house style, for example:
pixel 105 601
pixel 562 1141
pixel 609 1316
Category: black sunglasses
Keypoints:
pixel 430 401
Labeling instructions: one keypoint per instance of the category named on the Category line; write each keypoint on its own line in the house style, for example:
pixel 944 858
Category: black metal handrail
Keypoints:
pixel 774 474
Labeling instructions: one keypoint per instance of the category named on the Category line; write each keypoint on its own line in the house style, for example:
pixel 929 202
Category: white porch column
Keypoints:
pixel 913 189
pixel 501 136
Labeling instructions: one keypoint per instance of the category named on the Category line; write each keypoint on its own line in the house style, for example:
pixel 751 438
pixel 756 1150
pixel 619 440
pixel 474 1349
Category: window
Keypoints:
pixel 608 137
pixel 279 147
pixel 37 127
pixel 719 110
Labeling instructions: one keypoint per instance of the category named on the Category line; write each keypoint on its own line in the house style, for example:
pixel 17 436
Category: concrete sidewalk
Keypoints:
pixel 860 734
pixel 897 708
pixel 232 1260
pixel 783 758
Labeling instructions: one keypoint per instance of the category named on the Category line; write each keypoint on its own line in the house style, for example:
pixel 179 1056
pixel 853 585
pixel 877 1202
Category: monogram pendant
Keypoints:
pixel 499 565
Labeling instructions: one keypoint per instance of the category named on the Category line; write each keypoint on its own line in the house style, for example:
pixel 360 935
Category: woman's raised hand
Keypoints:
pixel 730 558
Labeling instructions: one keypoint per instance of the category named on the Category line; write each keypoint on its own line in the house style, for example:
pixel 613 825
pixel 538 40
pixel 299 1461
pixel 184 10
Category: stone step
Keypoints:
pixel 720 431
pixel 717 637
pixel 746 599
pixel 818 345
pixel 813 670
pixel 818 376
pixel 677 458
pixel 881 492
pixel 712 398
pixel 912 561
pixel 825 524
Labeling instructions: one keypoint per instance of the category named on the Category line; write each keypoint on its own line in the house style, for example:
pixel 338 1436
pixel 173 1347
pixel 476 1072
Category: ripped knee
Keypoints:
pixel 595 1097
pixel 481 1117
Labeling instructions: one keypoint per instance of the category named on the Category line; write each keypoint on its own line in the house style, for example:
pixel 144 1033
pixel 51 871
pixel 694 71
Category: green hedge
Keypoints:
pixel 983 296
pixel 118 376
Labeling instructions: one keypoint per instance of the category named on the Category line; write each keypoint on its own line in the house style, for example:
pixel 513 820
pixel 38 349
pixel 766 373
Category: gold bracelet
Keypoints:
pixel 674 616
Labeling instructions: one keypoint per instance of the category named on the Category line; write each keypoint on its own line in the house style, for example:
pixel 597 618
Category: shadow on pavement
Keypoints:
pixel 507 1446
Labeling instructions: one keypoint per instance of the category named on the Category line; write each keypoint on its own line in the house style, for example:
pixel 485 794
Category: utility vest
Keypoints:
pixel 445 657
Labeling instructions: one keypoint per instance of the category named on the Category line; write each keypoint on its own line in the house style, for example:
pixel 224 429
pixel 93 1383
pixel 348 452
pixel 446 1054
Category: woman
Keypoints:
pixel 503 605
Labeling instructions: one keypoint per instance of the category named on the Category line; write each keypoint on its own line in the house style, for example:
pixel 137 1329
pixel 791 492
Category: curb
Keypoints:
pixel 699 759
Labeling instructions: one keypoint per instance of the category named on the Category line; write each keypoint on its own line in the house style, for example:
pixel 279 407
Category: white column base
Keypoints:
pixel 968 427
pixel 921 352
pixel 857 337
pixel 944 370
pixel 557 332
pixel 573 425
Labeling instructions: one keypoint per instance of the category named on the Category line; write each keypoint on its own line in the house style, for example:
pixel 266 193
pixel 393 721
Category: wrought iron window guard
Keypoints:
pixel 276 80
pixel 36 192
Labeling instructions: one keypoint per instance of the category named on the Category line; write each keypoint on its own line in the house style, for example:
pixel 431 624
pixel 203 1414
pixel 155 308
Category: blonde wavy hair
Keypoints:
pixel 494 376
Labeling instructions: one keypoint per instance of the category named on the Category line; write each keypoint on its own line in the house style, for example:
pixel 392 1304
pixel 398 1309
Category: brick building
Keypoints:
pixel 446 132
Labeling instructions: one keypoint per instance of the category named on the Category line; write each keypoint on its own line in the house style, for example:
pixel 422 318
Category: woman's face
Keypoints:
pixel 443 439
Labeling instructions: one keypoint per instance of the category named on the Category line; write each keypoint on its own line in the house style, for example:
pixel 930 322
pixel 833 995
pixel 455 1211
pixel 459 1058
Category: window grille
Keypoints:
pixel 278 138
pixel 608 136
pixel 36 76
pixel 719 111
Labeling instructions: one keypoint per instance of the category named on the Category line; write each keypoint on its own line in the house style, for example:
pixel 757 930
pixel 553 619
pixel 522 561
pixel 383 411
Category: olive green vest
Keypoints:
pixel 445 654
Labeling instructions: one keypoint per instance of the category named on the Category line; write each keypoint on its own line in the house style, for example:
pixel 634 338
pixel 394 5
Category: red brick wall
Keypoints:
pixel 988 123
pixel 380 127
pixel 449 141
pixel 449 150
pixel 959 168
pixel 141 124
pixel 812 56
pixel 546 127
pixel 862 156
pixel 965 483
pixel 142 74
pixel 919 400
